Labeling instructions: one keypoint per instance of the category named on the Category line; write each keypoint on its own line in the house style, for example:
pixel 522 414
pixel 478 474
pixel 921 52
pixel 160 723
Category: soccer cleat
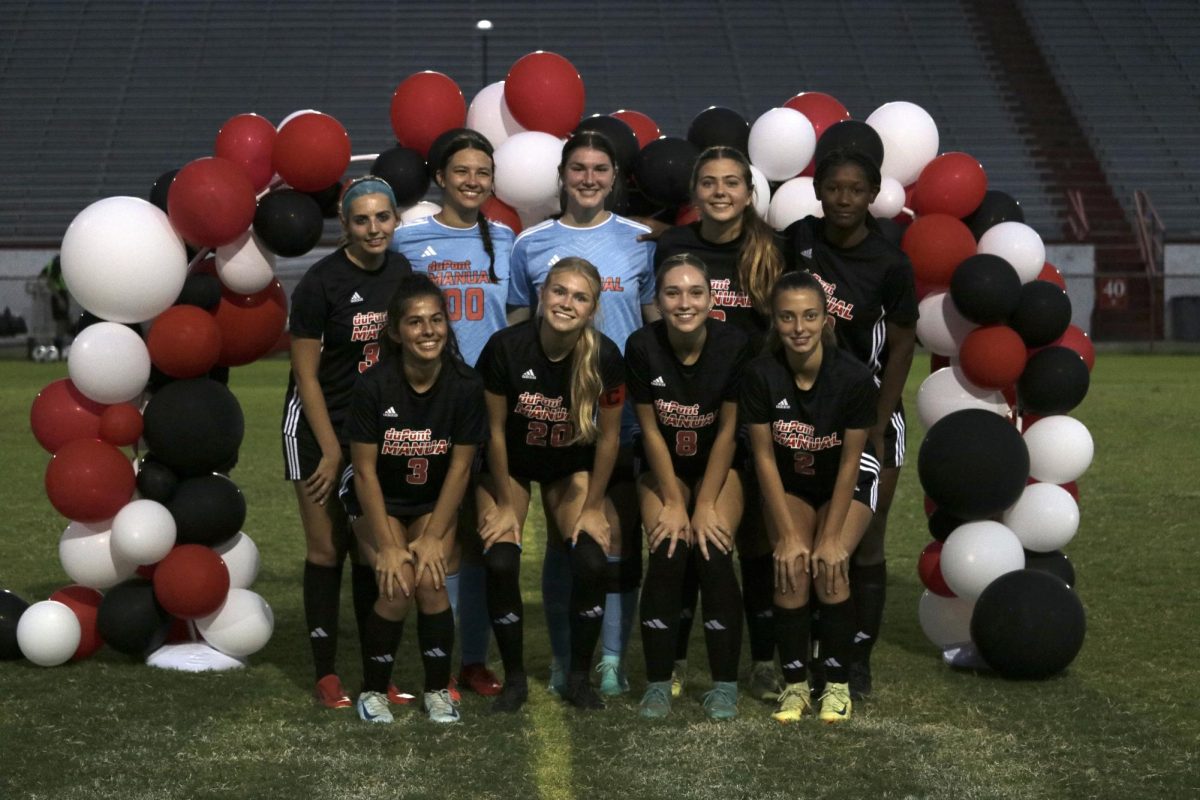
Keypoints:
pixel 330 693
pixel 579 692
pixel 860 679
pixel 558 680
pixel 835 703
pixel 479 679
pixel 440 706
pixel 373 707
pixel 397 697
pixel 765 683
pixel 512 696
pixel 612 678
pixel 794 702
pixel 656 702
pixel 678 678
pixel 721 702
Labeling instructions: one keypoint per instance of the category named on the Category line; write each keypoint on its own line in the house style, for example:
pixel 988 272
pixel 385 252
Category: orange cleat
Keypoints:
pixel 479 679
pixel 330 693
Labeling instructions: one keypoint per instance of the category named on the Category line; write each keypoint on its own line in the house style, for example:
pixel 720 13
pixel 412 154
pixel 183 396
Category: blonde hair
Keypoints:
pixel 586 381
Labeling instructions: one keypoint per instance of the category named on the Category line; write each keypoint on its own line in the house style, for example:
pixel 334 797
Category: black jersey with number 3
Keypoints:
pixel 808 426
pixel 538 429
pixel 686 398
pixel 415 431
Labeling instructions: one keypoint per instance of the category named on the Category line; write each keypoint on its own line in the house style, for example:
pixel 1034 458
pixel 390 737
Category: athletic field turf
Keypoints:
pixel 1123 721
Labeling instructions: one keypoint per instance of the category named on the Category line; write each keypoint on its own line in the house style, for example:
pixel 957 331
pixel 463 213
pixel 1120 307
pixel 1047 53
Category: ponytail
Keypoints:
pixel 759 260
pixel 486 235
pixel 586 385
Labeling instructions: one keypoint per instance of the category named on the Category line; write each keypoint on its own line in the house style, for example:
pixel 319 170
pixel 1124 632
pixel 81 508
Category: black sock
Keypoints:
pixel 588 564
pixel 837 640
pixel 322 587
pixel 722 613
pixel 758 594
pixel 380 639
pixel 661 598
pixel 365 591
pixel 869 587
pixel 505 607
pixel 435 637
pixel 791 632
pixel 687 610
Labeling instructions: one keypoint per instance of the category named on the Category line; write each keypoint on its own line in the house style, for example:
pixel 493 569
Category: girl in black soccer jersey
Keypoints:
pixel 869 285
pixel 414 425
pixel 555 389
pixel 683 374
pixel 337 314
pixel 810 408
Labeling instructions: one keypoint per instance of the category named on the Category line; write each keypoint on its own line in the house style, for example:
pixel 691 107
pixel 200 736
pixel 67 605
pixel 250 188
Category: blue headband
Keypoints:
pixel 367 184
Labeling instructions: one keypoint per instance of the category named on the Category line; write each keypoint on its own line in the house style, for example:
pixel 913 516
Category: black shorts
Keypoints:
pixel 301 453
pixel 866 489
pixel 405 512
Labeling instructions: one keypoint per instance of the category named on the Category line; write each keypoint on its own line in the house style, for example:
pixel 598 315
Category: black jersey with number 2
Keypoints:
pixel 808 426
pixel 538 429
pixel 686 398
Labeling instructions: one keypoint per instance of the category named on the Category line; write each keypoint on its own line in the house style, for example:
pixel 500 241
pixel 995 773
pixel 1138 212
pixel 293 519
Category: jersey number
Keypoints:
pixel 804 463
pixel 418 471
pixel 717 313
pixel 464 303
pixel 560 434
pixel 370 356
pixel 685 443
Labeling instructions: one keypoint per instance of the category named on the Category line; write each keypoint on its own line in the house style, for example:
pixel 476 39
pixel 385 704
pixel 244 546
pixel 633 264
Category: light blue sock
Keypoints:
pixel 452 591
pixel 556 601
pixel 619 611
pixel 474 626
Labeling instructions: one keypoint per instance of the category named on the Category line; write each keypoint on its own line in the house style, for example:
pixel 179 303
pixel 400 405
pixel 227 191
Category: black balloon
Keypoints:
pixel 619 134
pixel 1028 624
pixel 1042 315
pixel 194 426
pixel 208 510
pixel 404 170
pixel 719 126
pixel 289 223
pixel 130 620
pixel 1054 381
pixel 942 523
pixel 996 207
pixel 850 134
pixel 327 200
pixel 200 289
pixel 162 185
pixel 11 609
pixel 973 463
pixel 434 160
pixel 664 170
pixel 155 480
pixel 1055 562
pixel 985 289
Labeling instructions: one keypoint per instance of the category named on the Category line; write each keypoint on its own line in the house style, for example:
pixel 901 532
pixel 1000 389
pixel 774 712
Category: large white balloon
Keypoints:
pixel 48 633
pixel 1044 518
pixel 240 555
pixel 490 116
pixel 762 191
pixel 976 553
pixel 143 532
pixel 122 260
pixel 241 626
pixel 421 210
pixel 946 621
pixel 1019 245
pixel 1060 449
pixel 244 265
pixel 947 390
pixel 793 200
pixel 910 139
pixel 782 142
pixel 86 553
pixel 527 169
pixel 890 200
pixel 109 363
pixel 942 327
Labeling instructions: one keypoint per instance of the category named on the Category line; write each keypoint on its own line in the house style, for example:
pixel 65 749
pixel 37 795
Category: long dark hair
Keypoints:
pixel 593 140
pixel 799 280
pixel 411 287
pixel 473 140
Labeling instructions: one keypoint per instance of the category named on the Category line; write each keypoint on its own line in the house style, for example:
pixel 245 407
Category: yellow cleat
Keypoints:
pixel 794 702
pixel 835 703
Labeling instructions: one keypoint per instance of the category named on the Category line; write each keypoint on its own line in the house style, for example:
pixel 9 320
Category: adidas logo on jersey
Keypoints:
pixel 391 412
pixel 356 298
pixel 429 252
pixel 529 376
pixel 783 404
pixel 659 382
pixel 806 253
pixel 554 259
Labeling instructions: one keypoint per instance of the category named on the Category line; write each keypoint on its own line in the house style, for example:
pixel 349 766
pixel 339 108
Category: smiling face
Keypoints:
pixel 568 300
pixel 587 176
pixel 684 298
pixel 421 330
pixel 845 194
pixel 799 317
pixel 369 225
pixel 466 180
pixel 721 191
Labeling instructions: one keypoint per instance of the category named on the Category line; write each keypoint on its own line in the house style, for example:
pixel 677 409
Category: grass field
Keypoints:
pixel 1123 721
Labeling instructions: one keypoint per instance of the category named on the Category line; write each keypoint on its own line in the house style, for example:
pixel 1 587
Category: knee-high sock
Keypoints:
pixel 758 593
pixel 661 601
pixel 587 600
pixel 791 634
pixel 837 640
pixel 474 626
pixel 381 638
pixel 556 601
pixel 505 606
pixel 322 587
pixel 620 606
pixel 435 637
pixel 365 591
pixel 869 587
pixel 687 611
pixel 722 613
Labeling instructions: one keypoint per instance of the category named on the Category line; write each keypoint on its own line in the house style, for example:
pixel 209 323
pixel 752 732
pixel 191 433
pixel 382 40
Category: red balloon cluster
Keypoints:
pixel 211 202
pixel 424 106
pixel 311 152
pixel 545 93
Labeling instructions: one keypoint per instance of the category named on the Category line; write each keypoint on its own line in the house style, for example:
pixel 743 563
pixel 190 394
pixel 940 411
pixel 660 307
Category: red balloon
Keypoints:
pixel 687 214
pixel 992 356
pixel 497 209
pixel 645 129
pixel 211 202
pixel 1072 489
pixel 311 151
pixel 424 106
pixel 85 604
pixel 937 244
pixel 250 324
pixel 822 110
pixel 181 631
pixel 89 480
pixel 937 362
pixel 1080 342
pixel 930 506
pixel 121 425
pixel 1050 273
pixel 191 581
pixel 61 413
pixel 146 571
pixel 953 183
pixel 247 140
pixel 545 93
pixel 184 342
pixel 929 567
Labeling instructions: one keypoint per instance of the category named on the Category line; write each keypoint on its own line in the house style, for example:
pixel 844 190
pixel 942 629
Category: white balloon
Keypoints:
pixel 947 390
pixel 1044 518
pixel 122 260
pixel 109 363
pixel 910 139
pixel 782 142
pixel 297 113
pixel 85 551
pixel 143 532
pixel 48 633
pixel 1060 449
pixel 241 626
pixel 244 265
pixel 1019 245
pixel 421 210
pixel 976 553
pixel 890 200
pixel 793 200
pixel 946 621
pixel 527 169
pixel 240 555
pixel 490 116
pixel 762 191
pixel 942 327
